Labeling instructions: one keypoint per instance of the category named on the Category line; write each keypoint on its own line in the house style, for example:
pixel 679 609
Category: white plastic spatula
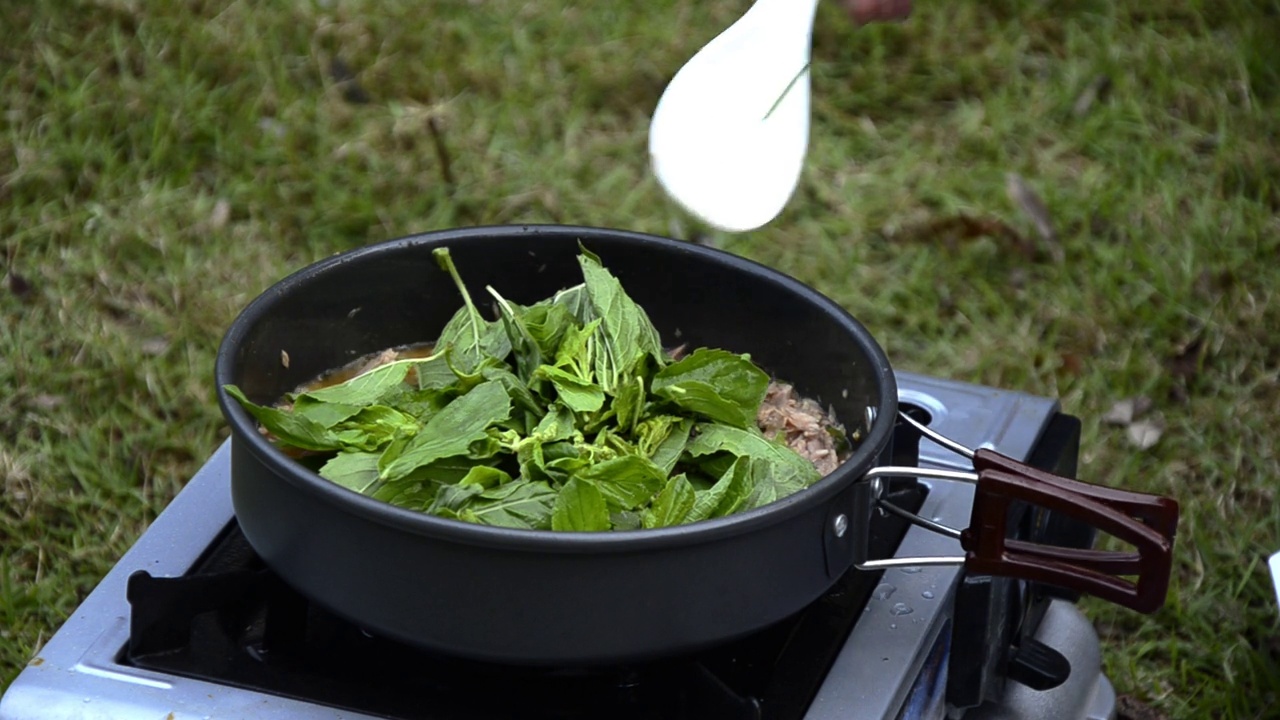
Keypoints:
pixel 729 135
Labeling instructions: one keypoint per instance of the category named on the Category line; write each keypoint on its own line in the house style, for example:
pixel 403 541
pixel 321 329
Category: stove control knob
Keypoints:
pixel 1038 666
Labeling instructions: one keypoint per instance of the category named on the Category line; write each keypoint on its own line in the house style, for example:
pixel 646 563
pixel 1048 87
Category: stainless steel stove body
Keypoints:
pixel 901 660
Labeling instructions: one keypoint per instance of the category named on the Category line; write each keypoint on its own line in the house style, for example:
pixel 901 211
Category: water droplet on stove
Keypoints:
pixel 912 570
pixel 884 591
pixel 927 594
pixel 893 626
pixel 900 609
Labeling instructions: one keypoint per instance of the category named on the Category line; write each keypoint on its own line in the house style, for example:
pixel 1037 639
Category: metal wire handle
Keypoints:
pixel 875 477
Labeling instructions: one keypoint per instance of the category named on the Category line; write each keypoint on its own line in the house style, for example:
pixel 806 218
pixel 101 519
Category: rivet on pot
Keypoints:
pixel 840 525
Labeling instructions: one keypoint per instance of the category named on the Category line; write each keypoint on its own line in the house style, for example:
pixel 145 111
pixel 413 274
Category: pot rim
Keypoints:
pixel 246 436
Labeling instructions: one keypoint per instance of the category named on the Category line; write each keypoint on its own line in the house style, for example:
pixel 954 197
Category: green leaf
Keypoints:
pixel 418 490
pixel 528 354
pixel 627 482
pixel 516 389
pixel 580 507
pixel 576 301
pixel 291 429
pixel 352 470
pixel 451 431
pixel 367 388
pixel 572 390
pixel 468 335
pixel 627 334
pixel 485 477
pixel 326 414
pixel 421 405
pixel 715 384
pixel 375 427
pixel 433 373
pixel 776 470
pixel 662 439
pixel 626 520
pixel 450 499
pixel 628 403
pixel 575 352
pixel 673 504
pixel 523 505
pixel 547 323
pixel 557 424
pixel 728 495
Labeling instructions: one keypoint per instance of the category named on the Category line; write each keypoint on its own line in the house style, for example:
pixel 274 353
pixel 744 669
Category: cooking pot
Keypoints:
pixel 542 597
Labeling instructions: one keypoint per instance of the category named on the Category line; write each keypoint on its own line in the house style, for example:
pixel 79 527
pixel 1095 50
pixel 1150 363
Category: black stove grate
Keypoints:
pixel 231 621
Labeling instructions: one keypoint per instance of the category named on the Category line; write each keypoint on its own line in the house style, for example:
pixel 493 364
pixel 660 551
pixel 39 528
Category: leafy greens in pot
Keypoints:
pixel 563 415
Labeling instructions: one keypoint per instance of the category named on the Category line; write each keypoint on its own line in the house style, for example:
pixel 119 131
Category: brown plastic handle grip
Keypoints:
pixel 1148 522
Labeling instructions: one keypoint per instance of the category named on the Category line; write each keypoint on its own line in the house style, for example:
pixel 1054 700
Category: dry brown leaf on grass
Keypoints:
pixel 1128 413
pixel 1130 708
pixel 1092 93
pixel 1034 208
pixel 221 214
pixel 1124 412
pixel 1145 433
pixel 951 231
pixel 154 346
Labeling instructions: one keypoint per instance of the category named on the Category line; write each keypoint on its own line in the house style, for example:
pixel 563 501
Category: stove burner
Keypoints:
pixel 232 621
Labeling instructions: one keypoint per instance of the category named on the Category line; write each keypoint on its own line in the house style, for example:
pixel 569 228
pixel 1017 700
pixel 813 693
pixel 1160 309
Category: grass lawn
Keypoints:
pixel 162 163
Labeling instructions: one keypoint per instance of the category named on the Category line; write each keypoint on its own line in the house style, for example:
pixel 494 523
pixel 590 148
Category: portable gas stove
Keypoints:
pixel 190 624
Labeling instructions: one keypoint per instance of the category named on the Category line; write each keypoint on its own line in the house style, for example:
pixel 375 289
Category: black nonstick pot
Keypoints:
pixel 540 597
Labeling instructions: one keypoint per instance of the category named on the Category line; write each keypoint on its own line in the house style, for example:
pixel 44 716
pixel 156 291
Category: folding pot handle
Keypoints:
pixel 1148 522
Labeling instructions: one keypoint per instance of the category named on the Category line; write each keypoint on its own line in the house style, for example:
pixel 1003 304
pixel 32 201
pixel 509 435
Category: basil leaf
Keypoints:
pixel 662 439
pixel 485 477
pixel 627 334
pixel 374 427
pixel 580 507
pixel 528 354
pixel 716 384
pixel 418 490
pixel 627 482
pixel 433 373
pixel 575 301
pixel 575 352
pixel 326 414
pixel 523 505
pixel 557 424
pixel 629 403
pixel 289 428
pixel 728 495
pixel 468 335
pixel 516 388
pixel 777 471
pixel 451 431
pixel 673 504
pixel 578 394
pixel 450 499
pixel 364 389
pixel 626 520
pixel 421 484
pixel 547 324
pixel 421 405
pixel 410 496
pixel 352 470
